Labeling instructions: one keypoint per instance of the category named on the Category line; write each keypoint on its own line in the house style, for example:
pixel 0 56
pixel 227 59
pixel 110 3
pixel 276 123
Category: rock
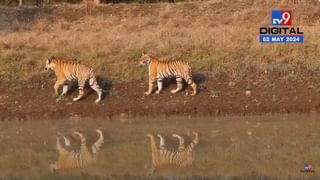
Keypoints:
pixel 231 83
pixel 184 103
pixel 124 118
pixel 248 93
pixel 75 118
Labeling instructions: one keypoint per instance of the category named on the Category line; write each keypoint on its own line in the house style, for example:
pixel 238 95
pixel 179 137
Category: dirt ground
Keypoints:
pixel 270 93
pixel 28 92
pixel 271 132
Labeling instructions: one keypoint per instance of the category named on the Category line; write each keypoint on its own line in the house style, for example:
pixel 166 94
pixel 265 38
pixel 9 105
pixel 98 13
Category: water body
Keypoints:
pixel 272 145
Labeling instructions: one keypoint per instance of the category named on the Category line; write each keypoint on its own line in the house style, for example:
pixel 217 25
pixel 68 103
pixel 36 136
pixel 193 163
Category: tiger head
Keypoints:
pixel 49 63
pixel 53 167
pixel 145 59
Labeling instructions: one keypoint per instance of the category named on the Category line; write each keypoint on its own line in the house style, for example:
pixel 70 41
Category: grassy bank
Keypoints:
pixel 215 36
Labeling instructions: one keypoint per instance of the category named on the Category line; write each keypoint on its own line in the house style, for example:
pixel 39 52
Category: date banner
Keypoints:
pixel 281 39
pixel 281 30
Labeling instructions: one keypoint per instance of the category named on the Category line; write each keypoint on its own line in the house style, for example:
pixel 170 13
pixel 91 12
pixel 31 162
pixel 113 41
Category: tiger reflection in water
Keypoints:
pixel 79 158
pixel 182 157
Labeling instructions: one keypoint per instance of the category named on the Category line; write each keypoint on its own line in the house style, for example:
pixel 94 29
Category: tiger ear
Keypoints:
pixel 52 57
pixel 143 53
pixel 49 61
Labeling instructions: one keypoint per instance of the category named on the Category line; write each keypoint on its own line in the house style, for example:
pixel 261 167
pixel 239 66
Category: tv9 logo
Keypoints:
pixel 281 18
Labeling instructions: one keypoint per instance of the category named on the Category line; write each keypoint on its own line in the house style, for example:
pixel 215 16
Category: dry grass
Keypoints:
pixel 215 36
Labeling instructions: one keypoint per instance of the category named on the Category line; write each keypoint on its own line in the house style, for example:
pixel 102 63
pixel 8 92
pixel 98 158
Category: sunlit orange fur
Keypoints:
pixel 164 69
pixel 70 70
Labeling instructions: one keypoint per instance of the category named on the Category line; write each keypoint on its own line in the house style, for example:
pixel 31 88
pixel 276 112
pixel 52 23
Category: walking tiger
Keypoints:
pixel 158 70
pixel 67 71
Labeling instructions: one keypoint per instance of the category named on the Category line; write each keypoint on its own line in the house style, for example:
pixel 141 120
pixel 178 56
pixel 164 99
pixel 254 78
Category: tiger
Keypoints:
pixel 158 70
pixel 182 157
pixel 67 71
pixel 79 158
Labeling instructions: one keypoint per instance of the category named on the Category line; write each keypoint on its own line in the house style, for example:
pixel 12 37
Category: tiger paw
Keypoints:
pixel 193 94
pixel 147 93
pixel 173 91
pixel 60 98
pixel 158 92
pixel 75 99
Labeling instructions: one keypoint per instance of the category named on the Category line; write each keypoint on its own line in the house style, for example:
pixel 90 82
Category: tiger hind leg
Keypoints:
pixel 81 91
pixel 179 85
pixel 58 83
pixel 95 86
pixel 65 88
pixel 192 84
pixel 64 92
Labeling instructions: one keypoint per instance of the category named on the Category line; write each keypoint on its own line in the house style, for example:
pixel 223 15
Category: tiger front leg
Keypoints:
pixel 152 170
pixel 57 85
pixel 56 89
pixel 53 167
pixel 150 87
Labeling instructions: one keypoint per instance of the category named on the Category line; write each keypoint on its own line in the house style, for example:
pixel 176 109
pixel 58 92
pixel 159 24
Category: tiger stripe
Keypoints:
pixel 181 157
pixel 159 70
pixel 79 158
pixel 68 71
